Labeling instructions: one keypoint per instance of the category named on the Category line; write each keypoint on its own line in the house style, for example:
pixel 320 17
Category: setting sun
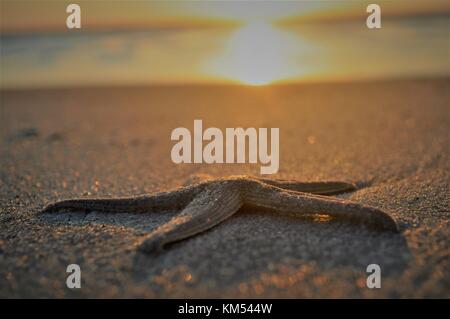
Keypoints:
pixel 257 54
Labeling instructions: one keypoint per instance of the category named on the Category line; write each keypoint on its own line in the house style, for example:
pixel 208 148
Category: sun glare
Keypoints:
pixel 257 54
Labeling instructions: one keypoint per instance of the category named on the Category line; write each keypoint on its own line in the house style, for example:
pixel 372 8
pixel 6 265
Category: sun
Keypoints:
pixel 257 54
pixel 255 82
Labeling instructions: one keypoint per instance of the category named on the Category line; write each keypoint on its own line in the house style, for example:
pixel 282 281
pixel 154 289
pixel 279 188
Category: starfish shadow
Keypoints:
pixel 140 223
pixel 244 246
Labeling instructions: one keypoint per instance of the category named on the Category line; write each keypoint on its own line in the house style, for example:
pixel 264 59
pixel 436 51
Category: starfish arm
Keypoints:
pixel 209 208
pixel 159 201
pixel 320 188
pixel 279 200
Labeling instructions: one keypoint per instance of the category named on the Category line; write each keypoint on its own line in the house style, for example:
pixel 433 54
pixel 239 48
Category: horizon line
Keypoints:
pixel 228 84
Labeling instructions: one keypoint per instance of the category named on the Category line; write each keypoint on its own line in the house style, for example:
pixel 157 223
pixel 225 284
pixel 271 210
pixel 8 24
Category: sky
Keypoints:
pixel 245 42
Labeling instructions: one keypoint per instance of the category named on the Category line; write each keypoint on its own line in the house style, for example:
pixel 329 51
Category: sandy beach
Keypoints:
pixel 391 138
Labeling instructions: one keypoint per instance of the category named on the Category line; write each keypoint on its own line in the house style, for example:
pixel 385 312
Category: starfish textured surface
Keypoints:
pixel 205 204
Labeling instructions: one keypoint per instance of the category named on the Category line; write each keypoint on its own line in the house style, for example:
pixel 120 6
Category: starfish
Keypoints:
pixel 207 203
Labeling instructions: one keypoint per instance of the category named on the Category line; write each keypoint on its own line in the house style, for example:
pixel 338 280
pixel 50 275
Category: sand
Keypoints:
pixel 391 138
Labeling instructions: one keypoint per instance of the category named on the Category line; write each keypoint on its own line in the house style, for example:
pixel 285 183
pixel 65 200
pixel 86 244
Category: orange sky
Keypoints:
pixel 246 42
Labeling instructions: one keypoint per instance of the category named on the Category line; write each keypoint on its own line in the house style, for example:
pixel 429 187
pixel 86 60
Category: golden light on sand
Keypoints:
pixel 257 54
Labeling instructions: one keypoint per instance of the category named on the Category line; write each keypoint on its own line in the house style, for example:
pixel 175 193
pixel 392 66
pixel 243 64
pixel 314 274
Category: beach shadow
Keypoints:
pixel 141 223
pixel 248 243
pixel 245 244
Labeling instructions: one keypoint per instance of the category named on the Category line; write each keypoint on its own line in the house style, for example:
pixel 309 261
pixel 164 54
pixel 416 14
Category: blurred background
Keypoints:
pixel 247 42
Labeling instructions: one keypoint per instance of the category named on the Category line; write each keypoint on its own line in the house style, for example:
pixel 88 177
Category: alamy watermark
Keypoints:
pixel 190 149
pixel 74 279
pixel 374 279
